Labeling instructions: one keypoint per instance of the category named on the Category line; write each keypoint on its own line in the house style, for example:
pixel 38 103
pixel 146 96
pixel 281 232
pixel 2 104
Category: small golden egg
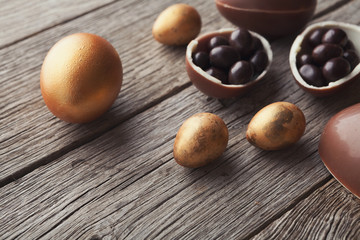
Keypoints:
pixel 177 25
pixel 276 126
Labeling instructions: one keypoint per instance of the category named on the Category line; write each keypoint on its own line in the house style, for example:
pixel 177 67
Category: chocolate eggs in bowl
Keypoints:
pixel 213 85
pixel 314 42
pixel 339 148
pixel 270 18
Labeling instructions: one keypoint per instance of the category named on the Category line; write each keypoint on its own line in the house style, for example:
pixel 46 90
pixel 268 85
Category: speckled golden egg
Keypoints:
pixel 177 25
pixel 276 126
pixel 201 139
pixel 81 77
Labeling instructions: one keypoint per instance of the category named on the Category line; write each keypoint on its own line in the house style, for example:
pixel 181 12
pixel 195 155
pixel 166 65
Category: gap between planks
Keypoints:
pixel 55 25
pixel 291 206
pixel 331 8
pixel 48 159
pixel 80 207
pixel 251 235
pixel 61 152
pixel 321 183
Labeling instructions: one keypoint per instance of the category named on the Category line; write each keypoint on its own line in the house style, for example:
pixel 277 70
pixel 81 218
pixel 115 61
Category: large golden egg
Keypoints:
pixel 81 77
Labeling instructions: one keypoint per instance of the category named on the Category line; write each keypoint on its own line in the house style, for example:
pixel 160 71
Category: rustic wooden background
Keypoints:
pixel 115 178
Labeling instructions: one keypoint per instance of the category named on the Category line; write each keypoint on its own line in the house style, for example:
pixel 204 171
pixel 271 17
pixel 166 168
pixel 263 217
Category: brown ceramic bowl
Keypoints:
pixel 270 18
pixel 210 85
pixel 353 33
pixel 339 148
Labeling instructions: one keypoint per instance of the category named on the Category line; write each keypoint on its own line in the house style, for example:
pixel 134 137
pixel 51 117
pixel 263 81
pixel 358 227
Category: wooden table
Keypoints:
pixel 115 178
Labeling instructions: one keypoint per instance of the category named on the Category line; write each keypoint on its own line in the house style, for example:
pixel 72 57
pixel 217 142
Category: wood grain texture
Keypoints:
pixel 20 19
pixel 32 136
pixel 331 212
pixel 122 186
pixel 124 183
pixel 30 133
pixel 329 5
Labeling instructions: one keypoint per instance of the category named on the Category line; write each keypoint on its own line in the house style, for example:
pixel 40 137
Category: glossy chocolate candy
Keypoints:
pixel 329 57
pixel 312 75
pixel 335 69
pixel 324 52
pixel 259 61
pixel 241 72
pixel 302 45
pixel 335 36
pixel 304 59
pixel 211 85
pixel 233 60
pixel 352 57
pixel 326 49
pixel 218 41
pixel 241 40
pixel 223 57
pixel 202 60
pixel 339 148
pixel 219 74
pixel 315 38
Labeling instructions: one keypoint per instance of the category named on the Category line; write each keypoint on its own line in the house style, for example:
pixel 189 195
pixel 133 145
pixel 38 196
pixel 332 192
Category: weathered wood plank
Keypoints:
pixel 331 212
pixel 328 5
pixel 125 184
pixel 26 125
pixel 140 178
pixel 27 18
pixel 25 119
pixel 151 72
pixel 20 19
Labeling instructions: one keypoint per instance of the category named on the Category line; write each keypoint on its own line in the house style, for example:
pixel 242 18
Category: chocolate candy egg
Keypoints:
pixel 339 148
pixel 215 62
pixel 271 18
pixel 325 57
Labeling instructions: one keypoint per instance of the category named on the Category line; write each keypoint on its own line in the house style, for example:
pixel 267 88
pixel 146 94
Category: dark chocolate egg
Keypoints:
pixel 270 18
pixel 339 148
pixel 336 76
pixel 214 81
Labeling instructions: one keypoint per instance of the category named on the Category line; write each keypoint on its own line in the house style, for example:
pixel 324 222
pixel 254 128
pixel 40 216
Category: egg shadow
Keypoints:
pixel 345 97
pixel 295 161
pixel 173 50
pixel 108 128
pixel 217 173
pixel 297 152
